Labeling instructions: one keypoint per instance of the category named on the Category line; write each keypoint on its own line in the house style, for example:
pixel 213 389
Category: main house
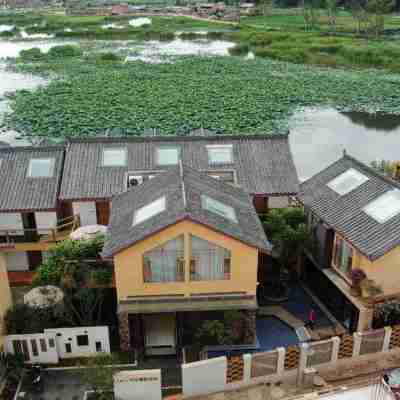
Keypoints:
pixel 355 215
pixel 185 248
pixel 97 169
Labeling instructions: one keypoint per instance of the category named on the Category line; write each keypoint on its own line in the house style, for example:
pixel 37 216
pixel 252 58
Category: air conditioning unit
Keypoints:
pixel 134 180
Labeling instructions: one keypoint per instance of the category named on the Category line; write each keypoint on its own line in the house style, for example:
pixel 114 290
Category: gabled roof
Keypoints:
pixel 19 192
pixel 345 214
pixel 262 164
pixel 182 187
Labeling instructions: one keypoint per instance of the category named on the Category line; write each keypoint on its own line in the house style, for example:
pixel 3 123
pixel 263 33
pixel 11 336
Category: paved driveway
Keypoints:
pixel 58 385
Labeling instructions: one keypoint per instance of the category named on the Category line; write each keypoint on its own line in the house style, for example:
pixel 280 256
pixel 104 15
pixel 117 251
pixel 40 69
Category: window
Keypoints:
pixel 52 344
pixel 150 210
pixel 220 154
pixel 165 263
pixel 41 168
pixel 43 346
pixel 343 256
pixel 114 157
pixel 82 340
pixel 35 351
pixel 347 181
pixel 219 208
pixel 68 348
pixel 168 155
pixel 384 207
pixel 208 261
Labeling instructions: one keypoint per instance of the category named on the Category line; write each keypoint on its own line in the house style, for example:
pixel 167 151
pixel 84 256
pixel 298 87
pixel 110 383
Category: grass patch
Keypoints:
pixel 225 94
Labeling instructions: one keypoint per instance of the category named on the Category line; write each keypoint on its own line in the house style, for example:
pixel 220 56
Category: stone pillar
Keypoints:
pixel 124 334
pixel 250 327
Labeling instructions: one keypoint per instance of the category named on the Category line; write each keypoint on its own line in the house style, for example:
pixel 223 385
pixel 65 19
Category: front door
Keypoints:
pixel 160 334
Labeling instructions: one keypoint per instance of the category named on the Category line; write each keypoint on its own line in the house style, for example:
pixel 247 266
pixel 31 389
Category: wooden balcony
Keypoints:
pixel 37 239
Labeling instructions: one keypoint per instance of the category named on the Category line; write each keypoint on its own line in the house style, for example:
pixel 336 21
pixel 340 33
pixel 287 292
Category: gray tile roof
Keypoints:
pixel 22 193
pixel 263 164
pixel 345 213
pixel 182 186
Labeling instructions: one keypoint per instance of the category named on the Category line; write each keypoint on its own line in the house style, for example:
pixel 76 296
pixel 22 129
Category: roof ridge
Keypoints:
pixel 159 138
pixel 183 185
pixel 30 148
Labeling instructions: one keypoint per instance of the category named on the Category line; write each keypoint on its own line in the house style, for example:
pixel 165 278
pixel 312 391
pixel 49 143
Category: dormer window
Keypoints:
pixel 168 155
pixel 41 167
pixel 220 154
pixel 347 181
pixel 385 207
pixel 114 157
pixel 219 208
pixel 148 211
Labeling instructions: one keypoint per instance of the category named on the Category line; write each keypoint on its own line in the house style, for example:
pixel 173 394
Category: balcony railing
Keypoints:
pixel 50 235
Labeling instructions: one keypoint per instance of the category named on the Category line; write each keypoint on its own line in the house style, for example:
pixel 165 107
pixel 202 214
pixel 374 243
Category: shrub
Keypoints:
pixel 387 314
pixel 108 57
pixel 65 51
pixel 33 54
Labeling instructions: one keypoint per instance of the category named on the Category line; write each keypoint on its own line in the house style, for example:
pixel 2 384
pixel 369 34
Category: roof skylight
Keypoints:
pixel 168 155
pixel 384 207
pixel 220 154
pixel 114 157
pixel 41 167
pixel 347 181
pixel 218 208
pixel 148 211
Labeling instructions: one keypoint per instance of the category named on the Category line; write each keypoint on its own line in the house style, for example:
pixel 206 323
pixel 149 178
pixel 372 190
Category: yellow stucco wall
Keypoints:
pixel 5 295
pixel 129 270
pixel 385 271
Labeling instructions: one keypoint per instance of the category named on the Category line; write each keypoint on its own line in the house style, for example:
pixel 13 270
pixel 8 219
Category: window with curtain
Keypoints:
pixel 343 257
pixel 165 263
pixel 208 261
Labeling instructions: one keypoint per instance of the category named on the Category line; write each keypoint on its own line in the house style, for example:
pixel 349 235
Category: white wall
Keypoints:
pixel 278 201
pixel 17 261
pixel 138 385
pixel 9 221
pixel 204 377
pixel 87 212
pixel 69 335
pixel 45 221
pixel 49 356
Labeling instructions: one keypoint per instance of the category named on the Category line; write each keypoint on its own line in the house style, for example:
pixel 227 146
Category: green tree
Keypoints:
pixel 377 10
pixel 287 230
pixel 332 11
pixel 97 375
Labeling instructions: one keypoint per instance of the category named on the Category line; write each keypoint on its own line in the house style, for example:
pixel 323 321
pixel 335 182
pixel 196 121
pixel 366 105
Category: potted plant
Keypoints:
pixel 357 276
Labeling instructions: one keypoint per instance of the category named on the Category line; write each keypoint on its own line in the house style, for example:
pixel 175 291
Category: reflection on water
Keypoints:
pixel 319 136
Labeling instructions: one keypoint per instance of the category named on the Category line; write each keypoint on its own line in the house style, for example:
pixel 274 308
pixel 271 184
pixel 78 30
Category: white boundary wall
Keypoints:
pixel 97 341
pixel 41 347
pixel 204 377
pixel 81 341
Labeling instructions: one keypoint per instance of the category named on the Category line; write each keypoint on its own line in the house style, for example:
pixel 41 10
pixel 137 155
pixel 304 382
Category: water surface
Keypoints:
pixel 319 136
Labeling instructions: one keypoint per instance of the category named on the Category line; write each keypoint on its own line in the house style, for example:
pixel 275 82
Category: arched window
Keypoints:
pixel 165 263
pixel 208 261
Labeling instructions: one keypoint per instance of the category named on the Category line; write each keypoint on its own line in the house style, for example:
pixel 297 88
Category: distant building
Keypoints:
pixel 120 9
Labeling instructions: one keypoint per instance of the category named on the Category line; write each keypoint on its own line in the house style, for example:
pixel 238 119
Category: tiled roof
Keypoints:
pixel 182 187
pixel 263 164
pixel 345 213
pixel 22 193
